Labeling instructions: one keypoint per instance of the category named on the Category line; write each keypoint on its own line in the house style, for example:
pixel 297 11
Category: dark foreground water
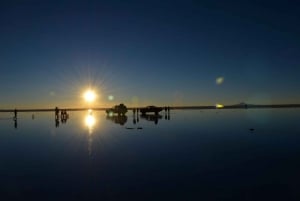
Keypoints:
pixel 188 155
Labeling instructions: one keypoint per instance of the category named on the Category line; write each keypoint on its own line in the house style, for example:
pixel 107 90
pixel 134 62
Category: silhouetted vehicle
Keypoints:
pixel 150 109
pixel 118 109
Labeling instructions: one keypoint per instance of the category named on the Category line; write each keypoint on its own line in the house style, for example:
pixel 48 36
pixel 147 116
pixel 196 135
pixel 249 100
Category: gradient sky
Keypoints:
pixel 149 52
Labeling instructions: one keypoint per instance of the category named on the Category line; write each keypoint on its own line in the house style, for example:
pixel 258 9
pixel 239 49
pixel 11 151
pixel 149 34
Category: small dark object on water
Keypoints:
pixel 251 129
pixel 129 128
pixel 139 128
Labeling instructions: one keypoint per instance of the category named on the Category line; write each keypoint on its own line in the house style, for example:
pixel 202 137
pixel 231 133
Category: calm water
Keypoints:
pixel 187 155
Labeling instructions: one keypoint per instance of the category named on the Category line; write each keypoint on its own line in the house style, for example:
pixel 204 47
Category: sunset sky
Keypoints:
pixel 149 52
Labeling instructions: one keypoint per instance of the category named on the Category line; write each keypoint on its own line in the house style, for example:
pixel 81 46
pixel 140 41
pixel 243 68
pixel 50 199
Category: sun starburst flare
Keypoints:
pixel 89 96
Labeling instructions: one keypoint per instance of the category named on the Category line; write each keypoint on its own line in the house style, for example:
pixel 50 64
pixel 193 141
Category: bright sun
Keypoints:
pixel 89 96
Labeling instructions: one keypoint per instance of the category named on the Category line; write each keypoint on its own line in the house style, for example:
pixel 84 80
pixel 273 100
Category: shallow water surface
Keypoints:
pixel 234 154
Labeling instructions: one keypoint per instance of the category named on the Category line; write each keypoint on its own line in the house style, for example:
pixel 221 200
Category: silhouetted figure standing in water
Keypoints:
pixel 56 113
pixel 15 118
pixel 16 114
pixel 56 117
pixel 167 112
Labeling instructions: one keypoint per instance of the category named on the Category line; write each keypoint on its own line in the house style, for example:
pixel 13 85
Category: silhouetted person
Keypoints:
pixel 56 113
pixel 16 113
pixel 62 112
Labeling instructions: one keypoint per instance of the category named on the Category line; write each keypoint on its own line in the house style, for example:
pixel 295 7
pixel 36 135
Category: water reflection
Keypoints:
pixel 122 119
pixel 99 155
pixel 152 117
pixel 90 122
pixel 62 117
pixel 15 122
pixel 118 119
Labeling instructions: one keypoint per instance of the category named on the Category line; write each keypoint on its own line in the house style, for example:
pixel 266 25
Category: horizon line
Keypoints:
pixel 235 106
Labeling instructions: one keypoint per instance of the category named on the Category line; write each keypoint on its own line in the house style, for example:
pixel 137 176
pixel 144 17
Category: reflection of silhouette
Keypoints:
pixel 15 123
pixel 152 117
pixel 15 118
pixel 64 116
pixel 16 113
pixel 56 122
pixel 135 115
pixel 151 109
pixel 118 119
pixel 167 113
pixel 134 120
pixel 56 113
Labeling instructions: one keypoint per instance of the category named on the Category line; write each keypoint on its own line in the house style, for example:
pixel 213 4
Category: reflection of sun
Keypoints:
pixel 90 122
pixel 89 96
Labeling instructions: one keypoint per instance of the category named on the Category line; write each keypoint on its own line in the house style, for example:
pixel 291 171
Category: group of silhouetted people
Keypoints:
pixel 64 116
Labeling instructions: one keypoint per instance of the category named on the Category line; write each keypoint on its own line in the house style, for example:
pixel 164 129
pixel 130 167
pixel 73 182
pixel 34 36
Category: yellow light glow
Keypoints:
pixel 219 106
pixel 89 96
pixel 90 121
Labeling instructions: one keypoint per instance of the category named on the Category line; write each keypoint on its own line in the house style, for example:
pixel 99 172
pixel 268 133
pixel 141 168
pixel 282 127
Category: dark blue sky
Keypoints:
pixel 149 52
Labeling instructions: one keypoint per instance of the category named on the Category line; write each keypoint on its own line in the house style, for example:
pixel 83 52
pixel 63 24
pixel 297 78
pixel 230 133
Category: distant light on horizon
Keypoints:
pixel 219 105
